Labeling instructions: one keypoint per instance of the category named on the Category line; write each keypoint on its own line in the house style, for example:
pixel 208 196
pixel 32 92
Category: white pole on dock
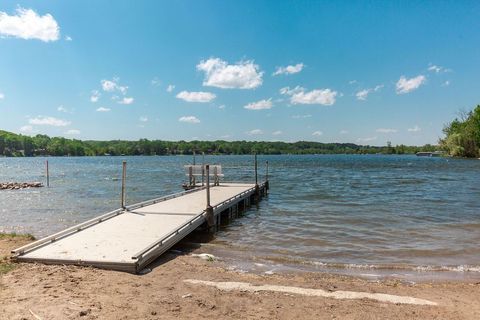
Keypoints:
pixel 209 209
pixel 47 173
pixel 203 168
pixel 193 177
pixel 124 177
pixel 257 188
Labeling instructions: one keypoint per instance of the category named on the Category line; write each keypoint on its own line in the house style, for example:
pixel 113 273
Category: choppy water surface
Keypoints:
pixel 372 215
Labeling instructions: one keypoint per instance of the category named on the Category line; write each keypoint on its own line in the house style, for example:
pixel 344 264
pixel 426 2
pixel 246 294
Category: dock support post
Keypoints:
pixel 47 173
pixel 193 177
pixel 267 184
pixel 209 210
pixel 124 177
pixel 190 176
pixel 257 189
pixel 203 169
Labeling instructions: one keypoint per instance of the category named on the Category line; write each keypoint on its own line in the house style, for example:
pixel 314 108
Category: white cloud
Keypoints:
pixel 260 105
pixel 68 38
pixel 26 129
pixel 414 129
pixel 95 96
pixel 317 133
pixel 155 82
pixel 367 139
pixel 277 133
pixel 289 69
pixel 143 119
pixel 405 85
pixel 126 100
pixel 102 109
pixel 199 96
pixel 437 69
pixel 363 94
pixel 113 86
pixel 343 131
pixel 352 81
pixel 254 132
pixel 221 107
pixel 189 119
pixel 108 85
pixel 386 130
pixel 2 96
pixel 446 83
pixel 63 109
pixel 73 132
pixel 27 24
pixel 170 88
pixel 301 116
pixel 220 74
pixel 298 95
pixel 49 121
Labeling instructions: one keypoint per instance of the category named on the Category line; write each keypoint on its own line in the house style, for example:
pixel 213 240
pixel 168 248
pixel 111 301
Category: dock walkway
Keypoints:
pixel 129 239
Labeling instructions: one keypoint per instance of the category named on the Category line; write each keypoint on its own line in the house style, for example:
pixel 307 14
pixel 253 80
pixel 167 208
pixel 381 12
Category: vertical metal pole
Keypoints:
pixel 203 168
pixel 266 174
pixel 209 210
pixel 48 173
pixel 207 167
pixel 256 176
pixel 190 175
pixel 193 177
pixel 124 177
pixel 257 188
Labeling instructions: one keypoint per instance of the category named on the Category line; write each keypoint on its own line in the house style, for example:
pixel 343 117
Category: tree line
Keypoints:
pixel 17 145
pixel 462 135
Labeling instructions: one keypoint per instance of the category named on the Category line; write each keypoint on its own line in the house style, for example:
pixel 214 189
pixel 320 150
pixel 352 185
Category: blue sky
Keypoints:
pixel 331 71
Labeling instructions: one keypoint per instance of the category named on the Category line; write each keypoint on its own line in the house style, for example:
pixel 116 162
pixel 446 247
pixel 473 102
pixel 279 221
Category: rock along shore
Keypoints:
pixel 19 185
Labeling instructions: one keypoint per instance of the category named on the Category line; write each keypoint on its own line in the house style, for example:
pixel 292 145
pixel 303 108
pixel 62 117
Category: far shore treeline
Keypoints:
pixel 17 145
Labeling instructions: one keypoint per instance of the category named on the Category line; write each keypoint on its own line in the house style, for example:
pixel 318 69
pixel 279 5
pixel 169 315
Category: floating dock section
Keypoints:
pixel 130 238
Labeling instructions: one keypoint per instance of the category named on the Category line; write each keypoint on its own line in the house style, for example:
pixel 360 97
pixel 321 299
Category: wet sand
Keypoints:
pixel 182 286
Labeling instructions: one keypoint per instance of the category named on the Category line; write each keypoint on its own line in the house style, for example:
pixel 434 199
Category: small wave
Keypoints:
pixel 384 267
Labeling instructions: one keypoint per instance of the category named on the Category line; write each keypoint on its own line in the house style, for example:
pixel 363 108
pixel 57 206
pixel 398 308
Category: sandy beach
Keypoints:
pixel 185 286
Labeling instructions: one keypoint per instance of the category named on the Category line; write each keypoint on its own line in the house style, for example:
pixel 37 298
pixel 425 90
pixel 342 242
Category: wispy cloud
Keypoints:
pixel 103 109
pixel 27 24
pixel 405 85
pixel 170 88
pixel 437 69
pixel 386 130
pixel 126 100
pixel 26 129
pixel 73 132
pixel 143 119
pixel 155 82
pixel 298 95
pixel 113 86
pixel 369 139
pixel 414 129
pixel 446 83
pixel 189 119
pixel 344 132
pixel 63 109
pixel 301 116
pixel 363 94
pixel 317 133
pixel 220 74
pixel 95 96
pixel 199 96
pixel 277 133
pixel 254 132
pixel 260 105
pixel 68 38
pixel 289 69
pixel 48 121
pixel 2 96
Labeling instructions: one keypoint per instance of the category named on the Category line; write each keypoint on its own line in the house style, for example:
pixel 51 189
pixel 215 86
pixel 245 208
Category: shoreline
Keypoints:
pixel 183 285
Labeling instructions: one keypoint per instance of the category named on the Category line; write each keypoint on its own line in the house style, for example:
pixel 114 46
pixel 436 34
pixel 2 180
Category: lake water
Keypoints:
pixel 374 215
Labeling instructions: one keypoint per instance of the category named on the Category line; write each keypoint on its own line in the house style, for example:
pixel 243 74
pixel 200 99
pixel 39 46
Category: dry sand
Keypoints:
pixel 187 287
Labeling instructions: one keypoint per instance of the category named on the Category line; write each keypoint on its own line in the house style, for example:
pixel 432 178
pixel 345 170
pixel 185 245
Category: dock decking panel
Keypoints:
pixel 115 241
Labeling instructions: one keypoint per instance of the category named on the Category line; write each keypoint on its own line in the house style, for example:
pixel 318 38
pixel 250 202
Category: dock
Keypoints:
pixel 130 238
